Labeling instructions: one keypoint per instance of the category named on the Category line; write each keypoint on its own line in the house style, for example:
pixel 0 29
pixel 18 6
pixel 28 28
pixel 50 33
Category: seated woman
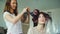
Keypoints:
pixel 43 19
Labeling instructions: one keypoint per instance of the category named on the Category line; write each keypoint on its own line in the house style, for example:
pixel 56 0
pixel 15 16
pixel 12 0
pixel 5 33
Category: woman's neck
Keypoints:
pixel 40 27
pixel 11 10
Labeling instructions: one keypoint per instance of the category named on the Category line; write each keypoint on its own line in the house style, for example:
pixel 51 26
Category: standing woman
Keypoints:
pixel 12 18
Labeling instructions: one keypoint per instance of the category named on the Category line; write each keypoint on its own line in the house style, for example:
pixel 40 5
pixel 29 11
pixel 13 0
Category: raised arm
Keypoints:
pixel 17 18
pixel 26 17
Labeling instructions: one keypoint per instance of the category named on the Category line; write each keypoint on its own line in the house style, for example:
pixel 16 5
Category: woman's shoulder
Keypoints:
pixel 5 13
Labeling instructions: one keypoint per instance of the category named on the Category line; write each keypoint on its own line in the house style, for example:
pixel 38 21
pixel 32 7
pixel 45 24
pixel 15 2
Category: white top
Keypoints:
pixel 12 28
pixel 33 31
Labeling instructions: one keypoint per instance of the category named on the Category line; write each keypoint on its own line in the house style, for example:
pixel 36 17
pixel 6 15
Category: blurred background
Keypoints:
pixel 51 6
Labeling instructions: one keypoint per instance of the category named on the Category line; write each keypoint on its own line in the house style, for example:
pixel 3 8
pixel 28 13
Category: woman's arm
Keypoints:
pixel 18 17
pixel 28 18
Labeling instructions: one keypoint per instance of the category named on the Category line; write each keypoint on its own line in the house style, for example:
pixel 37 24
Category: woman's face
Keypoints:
pixel 41 19
pixel 13 4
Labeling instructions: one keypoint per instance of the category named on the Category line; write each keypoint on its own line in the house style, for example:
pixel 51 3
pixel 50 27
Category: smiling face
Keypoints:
pixel 13 4
pixel 41 19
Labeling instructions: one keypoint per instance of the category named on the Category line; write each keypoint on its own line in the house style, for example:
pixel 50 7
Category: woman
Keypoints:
pixel 12 18
pixel 41 28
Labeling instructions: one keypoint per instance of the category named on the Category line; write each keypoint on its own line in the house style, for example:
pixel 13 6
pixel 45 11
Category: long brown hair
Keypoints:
pixel 8 7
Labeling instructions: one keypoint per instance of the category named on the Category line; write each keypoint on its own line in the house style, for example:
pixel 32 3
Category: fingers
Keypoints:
pixel 28 9
pixel 24 10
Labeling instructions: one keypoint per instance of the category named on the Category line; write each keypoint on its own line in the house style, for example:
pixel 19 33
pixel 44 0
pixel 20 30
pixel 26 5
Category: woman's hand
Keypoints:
pixel 25 10
pixel 28 9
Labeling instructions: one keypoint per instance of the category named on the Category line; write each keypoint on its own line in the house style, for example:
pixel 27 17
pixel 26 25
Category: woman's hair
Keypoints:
pixel 47 16
pixel 8 7
pixel 37 11
pixel 35 17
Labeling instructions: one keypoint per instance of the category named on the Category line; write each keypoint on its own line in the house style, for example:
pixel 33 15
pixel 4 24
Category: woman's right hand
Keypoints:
pixel 25 10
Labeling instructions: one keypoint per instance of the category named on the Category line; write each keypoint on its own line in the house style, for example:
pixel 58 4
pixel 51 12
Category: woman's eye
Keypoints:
pixel 14 2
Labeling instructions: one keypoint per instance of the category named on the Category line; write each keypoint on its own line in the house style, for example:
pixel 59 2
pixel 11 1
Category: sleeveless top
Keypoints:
pixel 12 28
